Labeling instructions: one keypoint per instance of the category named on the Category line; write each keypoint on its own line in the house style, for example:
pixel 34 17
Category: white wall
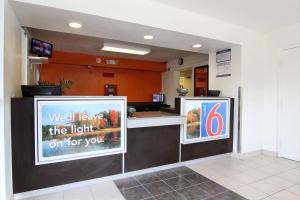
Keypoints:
pixel 2 138
pixel 11 88
pixel 278 40
pixel 227 85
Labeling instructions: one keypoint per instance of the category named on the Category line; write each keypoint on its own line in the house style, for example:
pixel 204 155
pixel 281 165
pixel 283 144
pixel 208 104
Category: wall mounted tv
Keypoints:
pixel 41 48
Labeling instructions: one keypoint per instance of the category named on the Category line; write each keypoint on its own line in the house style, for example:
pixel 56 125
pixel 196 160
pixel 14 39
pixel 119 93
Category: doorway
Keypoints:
pixel 186 80
pixel 289 108
pixel 201 81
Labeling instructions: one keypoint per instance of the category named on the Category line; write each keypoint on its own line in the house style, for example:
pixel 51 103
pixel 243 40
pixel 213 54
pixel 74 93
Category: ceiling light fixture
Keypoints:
pixel 195 46
pixel 148 37
pixel 123 48
pixel 75 25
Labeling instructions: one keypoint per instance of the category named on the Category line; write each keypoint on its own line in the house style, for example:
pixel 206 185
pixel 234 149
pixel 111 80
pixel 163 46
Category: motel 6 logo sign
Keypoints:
pixel 214 119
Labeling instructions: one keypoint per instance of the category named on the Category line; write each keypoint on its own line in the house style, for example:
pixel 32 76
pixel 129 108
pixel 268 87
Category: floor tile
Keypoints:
pixel 250 193
pixel 257 173
pixel 150 198
pixel 229 183
pixel 158 188
pixel 195 178
pixel 106 191
pixel 212 188
pixel 166 174
pixel 147 178
pixel 54 196
pixel 177 183
pixel 287 162
pixel 170 196
pixel 136 193
pixel 289 176
pixel 229 195
pixel 182 170
pixel 244 178
pixel 126 183
pixel 78 194
pixel 227 171
pixel 285 195
pixel 279 182
pixel 295 171
pixel 294 189
pixel 193 192
pixel 210 173
pixel 271 169
pixel 265 187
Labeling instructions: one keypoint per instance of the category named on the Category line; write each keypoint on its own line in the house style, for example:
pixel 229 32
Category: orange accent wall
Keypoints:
pixel 134 81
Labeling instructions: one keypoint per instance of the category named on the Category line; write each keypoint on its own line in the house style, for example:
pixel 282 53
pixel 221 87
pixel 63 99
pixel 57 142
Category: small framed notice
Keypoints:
pixel 223 61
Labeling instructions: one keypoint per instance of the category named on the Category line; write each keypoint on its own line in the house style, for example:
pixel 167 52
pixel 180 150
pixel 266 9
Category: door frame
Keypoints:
pixel 207 77
pixel 278 98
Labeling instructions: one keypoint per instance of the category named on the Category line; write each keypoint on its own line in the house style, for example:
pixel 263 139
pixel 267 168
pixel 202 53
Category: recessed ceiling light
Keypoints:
pixel 197 46
pixel 122 48
pixel 148 37
pixel 75 25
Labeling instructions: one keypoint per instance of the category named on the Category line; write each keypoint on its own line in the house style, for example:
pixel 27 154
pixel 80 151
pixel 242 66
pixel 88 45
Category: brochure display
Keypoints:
pixel 71 128
pixel 207 119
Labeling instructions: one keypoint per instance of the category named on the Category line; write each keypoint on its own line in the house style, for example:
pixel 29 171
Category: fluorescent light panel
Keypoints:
pixel 122 48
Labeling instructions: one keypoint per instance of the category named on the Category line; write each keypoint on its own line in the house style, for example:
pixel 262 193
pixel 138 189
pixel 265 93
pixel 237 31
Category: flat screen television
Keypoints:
pixel 41 48
pixel 158 98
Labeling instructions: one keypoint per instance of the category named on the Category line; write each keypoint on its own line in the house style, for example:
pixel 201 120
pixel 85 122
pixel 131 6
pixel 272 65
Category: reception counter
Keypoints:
pixel 154 118
pixel 151 139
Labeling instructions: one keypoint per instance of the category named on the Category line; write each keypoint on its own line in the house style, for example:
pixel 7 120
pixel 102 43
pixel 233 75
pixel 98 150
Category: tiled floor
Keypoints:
pixel 259 177
pixel 180 183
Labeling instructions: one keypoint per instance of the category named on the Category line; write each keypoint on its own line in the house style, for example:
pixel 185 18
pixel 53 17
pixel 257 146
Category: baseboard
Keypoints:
pixel 254 153
pixel 270 153
pixel 246 154
pixel 86 183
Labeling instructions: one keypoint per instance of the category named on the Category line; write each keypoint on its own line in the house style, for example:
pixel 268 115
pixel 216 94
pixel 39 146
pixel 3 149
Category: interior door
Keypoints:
pixel 201 81
pixel 289 105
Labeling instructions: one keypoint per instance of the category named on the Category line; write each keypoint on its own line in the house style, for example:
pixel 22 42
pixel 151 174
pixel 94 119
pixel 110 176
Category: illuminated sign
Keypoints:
pixel 70 128
pixel 207 119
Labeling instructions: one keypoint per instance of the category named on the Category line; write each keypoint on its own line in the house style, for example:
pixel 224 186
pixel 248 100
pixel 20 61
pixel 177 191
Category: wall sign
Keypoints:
pixel 223 61
pixel 207 119
pixel 70 128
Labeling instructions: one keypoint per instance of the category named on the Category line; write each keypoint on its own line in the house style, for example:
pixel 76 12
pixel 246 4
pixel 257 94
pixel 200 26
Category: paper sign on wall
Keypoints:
pixel 223 62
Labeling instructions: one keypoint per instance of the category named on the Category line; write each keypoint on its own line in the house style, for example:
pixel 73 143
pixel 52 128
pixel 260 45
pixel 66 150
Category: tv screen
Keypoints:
pixel 41 48
pixel 157 97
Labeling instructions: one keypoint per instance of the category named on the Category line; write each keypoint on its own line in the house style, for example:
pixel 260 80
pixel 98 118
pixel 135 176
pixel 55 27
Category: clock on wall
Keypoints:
pixel 180 61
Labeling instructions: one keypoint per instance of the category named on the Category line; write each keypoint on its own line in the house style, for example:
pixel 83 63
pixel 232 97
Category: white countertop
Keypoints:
pixel 154 118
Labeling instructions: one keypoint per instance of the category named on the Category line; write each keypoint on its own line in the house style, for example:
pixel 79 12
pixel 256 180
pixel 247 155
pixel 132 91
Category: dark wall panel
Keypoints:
pixel 152 146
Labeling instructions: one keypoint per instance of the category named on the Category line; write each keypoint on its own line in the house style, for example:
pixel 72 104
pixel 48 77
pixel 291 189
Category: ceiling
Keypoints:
pixel 91 45
pixel 54 19
pixel 260 15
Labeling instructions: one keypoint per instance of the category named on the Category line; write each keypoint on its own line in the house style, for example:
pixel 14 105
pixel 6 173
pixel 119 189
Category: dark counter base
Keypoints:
pixel 205 149
pixel 152 147
pixel 27 176
pixel 146 147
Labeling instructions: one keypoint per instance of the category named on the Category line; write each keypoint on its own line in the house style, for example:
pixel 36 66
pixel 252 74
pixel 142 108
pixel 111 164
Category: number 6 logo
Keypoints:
pixel 211 115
